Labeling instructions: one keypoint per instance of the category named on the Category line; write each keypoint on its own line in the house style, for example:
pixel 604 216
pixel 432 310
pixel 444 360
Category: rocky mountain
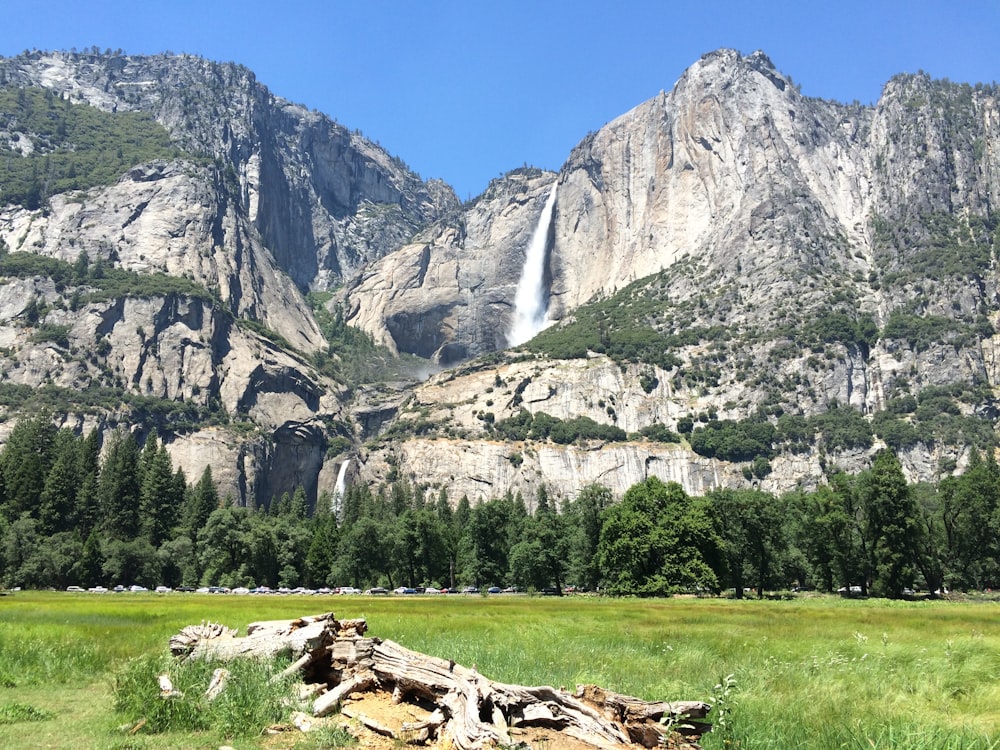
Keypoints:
pixel 742 285
pixel 731 254
pixel 261 201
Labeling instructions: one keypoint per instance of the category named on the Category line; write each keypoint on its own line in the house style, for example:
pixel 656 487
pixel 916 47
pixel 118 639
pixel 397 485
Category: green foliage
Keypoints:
pixel 541 426
pixel 74 146
pixel 630 326
pixel 937 246
pixel 753 537
pixel 659 433
pixel 648 381
pixel 892 525
pixel 842 427
pixel 834 327
pixel 148 411
pixel 735 441
pixel 102 283
pixel 352 356
pixel 920 331
pixel 795 433
pixel 251 701
pixel 897 433
pixel 16 713
pixel 658 541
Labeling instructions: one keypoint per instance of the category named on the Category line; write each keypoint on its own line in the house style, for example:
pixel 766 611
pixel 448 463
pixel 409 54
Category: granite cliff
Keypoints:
pixel 772 257
pixel 744 285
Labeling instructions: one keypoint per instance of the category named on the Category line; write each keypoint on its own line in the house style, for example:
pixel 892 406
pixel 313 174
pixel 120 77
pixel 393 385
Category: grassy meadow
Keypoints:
pixel 808 673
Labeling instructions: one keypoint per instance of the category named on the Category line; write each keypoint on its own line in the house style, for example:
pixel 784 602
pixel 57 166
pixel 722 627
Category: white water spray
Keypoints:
pixel 531 299
pixel 337 502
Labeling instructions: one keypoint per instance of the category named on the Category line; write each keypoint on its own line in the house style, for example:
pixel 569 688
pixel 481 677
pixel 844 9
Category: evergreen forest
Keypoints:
pixel 74 512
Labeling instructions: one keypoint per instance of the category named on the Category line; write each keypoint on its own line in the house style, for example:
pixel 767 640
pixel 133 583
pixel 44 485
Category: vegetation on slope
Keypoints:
pixel 64 146
pixel 352 356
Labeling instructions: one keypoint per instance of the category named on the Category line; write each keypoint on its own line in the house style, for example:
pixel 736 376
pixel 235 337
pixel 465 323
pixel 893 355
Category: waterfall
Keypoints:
pixel 531 300
pixel 337 502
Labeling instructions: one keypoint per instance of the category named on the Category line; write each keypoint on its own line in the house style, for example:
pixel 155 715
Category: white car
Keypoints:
pixel 349 590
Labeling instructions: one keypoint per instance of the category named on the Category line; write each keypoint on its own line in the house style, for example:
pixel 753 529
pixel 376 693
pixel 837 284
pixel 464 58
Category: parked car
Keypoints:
pixel 494 590
pixel 470 590
pixel 78 589
pixel 377 590
pixel 349 590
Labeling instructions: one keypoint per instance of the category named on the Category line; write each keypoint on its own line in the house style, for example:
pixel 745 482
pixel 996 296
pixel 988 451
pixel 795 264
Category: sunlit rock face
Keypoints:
pixel 762 211
pixel 759 210
pixel 450 294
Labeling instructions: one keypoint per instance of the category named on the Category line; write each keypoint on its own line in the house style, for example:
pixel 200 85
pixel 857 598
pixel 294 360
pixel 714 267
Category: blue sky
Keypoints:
pixel 466 90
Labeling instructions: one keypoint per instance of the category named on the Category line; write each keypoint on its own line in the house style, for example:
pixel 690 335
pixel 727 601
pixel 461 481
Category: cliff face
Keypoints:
pixel 322 199
pixel 264 201
pixel 729 250
pixel 448 295
pixel 786 255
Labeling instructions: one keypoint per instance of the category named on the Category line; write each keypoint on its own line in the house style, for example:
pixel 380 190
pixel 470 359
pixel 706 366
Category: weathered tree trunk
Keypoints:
pixel 464 710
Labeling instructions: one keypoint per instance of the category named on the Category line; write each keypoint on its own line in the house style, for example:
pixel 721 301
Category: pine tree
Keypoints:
pixel 118 488
pixel 57 504
pixel 159 502
pixel 27 458
pixel 201 501
pixel 91 561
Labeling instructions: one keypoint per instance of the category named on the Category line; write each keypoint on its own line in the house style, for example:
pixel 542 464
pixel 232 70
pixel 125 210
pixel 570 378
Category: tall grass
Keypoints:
pixel 809 673
pixel 250 702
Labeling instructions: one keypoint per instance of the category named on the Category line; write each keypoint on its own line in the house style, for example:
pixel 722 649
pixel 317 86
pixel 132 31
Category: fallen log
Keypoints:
pixel 461 709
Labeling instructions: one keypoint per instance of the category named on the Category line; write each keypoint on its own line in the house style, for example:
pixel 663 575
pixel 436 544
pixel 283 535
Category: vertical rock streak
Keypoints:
pixel 531 299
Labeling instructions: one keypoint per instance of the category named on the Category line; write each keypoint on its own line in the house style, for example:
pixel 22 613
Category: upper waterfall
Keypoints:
pixel 337 501
pixel 532 298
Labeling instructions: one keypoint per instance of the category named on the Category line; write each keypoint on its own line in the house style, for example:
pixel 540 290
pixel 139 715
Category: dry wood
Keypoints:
pixel 296 666
pixel 167 689
pixel 220 678
pixel 330 701
pixel 466 710
pixel 263 639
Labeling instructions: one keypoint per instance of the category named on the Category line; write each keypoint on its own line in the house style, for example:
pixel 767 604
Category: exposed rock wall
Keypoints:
pixel 324 200
pixel 761 209
pixel 448 296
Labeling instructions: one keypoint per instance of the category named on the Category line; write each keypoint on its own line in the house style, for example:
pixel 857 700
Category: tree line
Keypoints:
pixel 74 513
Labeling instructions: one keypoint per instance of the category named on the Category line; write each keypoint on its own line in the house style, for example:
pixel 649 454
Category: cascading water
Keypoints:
pixel 531 299
pixel 337 502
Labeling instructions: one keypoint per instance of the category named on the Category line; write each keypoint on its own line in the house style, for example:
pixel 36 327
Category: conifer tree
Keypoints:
pixel 118 488
pixel 159 502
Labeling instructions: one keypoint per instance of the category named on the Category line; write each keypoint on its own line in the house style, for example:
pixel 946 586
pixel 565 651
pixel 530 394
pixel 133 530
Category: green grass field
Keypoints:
pixel 809 673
